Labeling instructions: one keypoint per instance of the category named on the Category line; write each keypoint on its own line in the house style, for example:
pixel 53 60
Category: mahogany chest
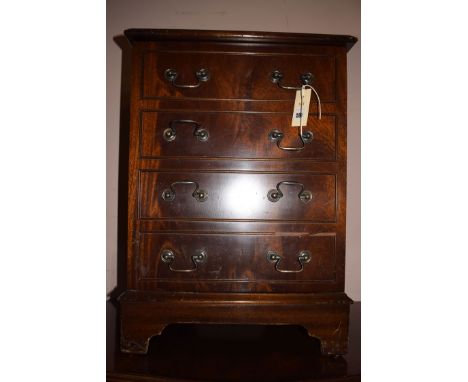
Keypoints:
pixel 235 215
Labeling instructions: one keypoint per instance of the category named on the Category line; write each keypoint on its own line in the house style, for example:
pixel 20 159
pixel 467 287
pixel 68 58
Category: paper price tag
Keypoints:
pixel 301 107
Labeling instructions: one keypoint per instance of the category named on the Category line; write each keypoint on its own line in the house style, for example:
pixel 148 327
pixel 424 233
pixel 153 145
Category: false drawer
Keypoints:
pixel 236 75
pixel 237 196
pixel 168 260
pixel 235 135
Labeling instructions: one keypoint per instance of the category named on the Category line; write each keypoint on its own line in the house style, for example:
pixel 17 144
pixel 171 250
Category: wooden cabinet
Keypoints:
pixel 234 216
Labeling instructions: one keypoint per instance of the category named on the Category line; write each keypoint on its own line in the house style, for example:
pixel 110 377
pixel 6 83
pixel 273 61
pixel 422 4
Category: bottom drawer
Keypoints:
pixel 296 262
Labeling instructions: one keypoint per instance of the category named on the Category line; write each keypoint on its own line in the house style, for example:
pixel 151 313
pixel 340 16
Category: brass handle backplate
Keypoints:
pixel 168 257
pixel 169 194
pixel 202 75
pixel 276 76
pixel 303 257
pixel 170 133
pixel 275 194
pixel 276 136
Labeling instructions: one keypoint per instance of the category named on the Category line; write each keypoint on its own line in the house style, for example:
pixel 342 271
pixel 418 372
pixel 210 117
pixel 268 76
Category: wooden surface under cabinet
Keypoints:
pixel 233 353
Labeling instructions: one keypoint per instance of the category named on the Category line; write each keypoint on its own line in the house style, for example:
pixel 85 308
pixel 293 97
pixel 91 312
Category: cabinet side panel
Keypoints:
pixel 133 235
pixel 341 76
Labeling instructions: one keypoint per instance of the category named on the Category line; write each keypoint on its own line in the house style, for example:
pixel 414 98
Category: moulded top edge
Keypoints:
pixel 238 36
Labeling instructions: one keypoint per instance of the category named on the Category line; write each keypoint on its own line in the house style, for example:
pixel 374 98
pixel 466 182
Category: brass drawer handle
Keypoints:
pixel 169 194
pixel 303 257
pixel 305 78
pixel 168 257
pixel 275 194
pixel 170 133
pixel 277 136
pixel 202 75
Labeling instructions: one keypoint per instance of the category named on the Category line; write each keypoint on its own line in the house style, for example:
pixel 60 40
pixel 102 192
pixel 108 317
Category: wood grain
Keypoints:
pixel 239 37
pixel 236 258
pixel 250 80
pixel 237 196
pixel 237 166
pixel 146 314
pixel 241 353
pixel 235 135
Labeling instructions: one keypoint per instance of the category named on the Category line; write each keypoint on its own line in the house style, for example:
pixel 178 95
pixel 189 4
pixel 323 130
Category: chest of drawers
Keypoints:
pixel 234 215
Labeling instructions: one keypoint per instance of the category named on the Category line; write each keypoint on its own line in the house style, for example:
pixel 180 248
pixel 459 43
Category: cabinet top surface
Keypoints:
pixel 135 35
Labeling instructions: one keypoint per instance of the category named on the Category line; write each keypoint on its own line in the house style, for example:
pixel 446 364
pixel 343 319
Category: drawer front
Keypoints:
pixel 237 196
pixel 234 135
pixel 194 259
pixel 235 75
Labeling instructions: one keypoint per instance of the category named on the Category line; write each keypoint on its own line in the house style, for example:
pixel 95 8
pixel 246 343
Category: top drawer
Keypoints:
pixel 235 75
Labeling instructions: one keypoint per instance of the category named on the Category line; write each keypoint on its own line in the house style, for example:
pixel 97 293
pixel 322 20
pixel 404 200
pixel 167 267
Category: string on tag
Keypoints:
pixel 319 106
pixel 302 115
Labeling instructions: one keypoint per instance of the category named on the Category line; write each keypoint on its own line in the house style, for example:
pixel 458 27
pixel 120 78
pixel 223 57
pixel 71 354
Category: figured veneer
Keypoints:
pixel 223 225
pixel 237 258
pixel 237 196
pixel 250 80
pixel 234 135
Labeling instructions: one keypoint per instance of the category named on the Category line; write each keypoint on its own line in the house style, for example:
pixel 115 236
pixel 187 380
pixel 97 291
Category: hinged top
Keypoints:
pixel 237 36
